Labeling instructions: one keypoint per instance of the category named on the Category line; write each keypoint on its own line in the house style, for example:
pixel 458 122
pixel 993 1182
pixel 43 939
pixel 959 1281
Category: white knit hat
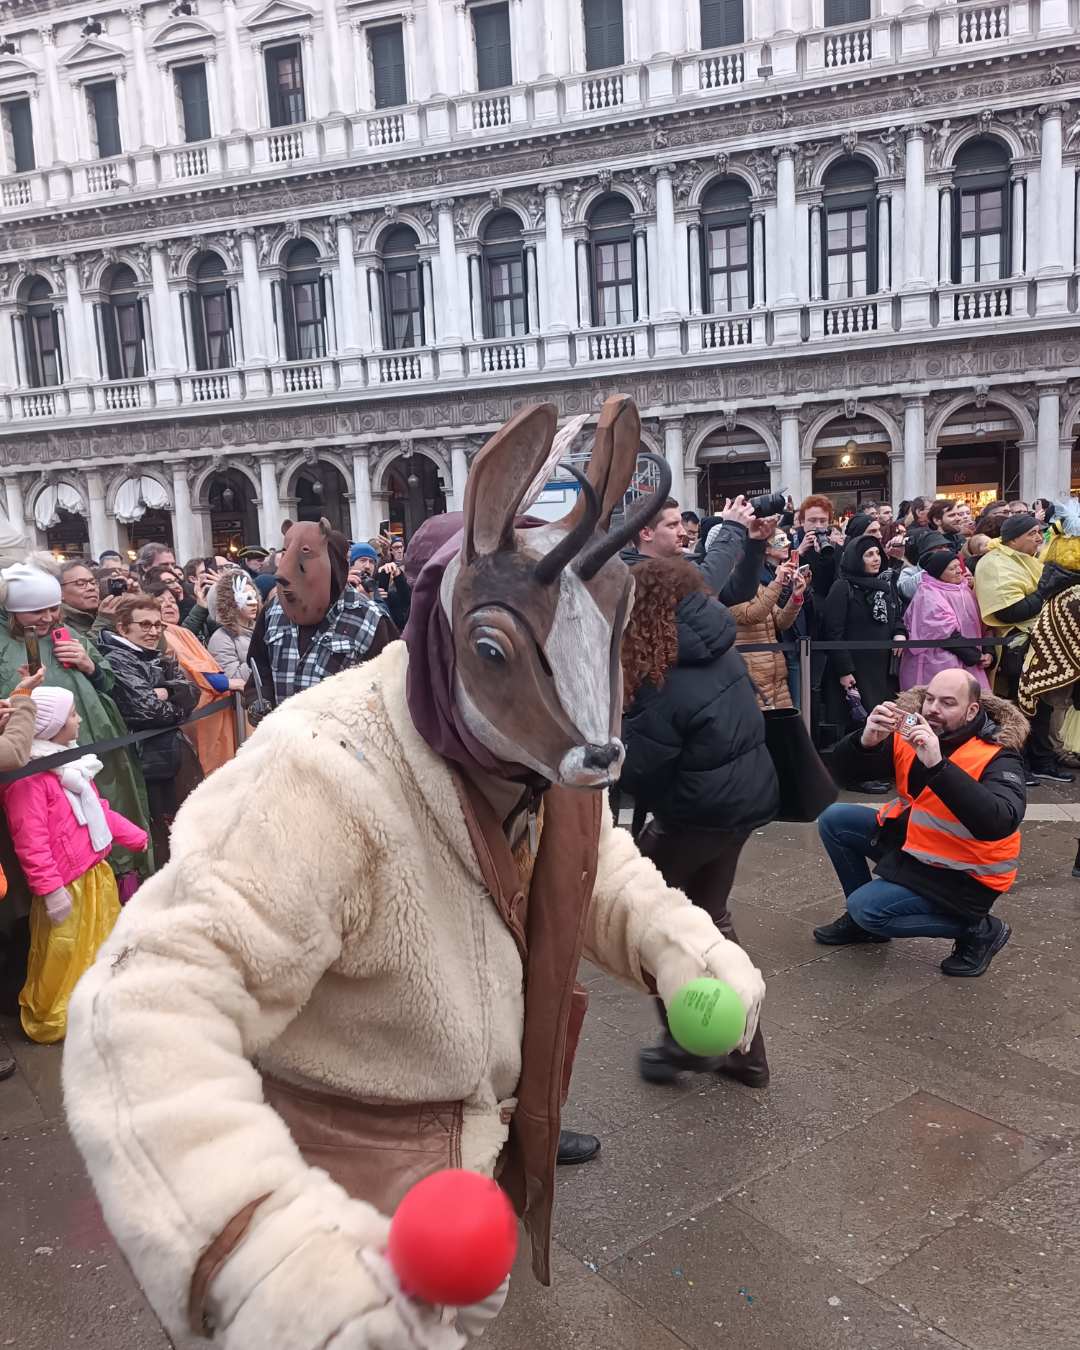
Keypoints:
pixel 29 588
pixel 52 708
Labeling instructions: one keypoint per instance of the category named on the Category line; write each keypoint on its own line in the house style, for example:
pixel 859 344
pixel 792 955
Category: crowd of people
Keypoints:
pixel 140 647
pixel 459 757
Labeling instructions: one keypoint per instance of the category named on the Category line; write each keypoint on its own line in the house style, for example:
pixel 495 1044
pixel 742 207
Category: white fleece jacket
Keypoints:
pixel 323 911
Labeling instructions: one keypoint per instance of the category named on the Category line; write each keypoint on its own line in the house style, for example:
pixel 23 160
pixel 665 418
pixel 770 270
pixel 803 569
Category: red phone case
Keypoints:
pixel 60 635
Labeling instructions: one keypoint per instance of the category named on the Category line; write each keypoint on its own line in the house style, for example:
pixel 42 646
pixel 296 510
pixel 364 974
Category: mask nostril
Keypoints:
pixel 601 756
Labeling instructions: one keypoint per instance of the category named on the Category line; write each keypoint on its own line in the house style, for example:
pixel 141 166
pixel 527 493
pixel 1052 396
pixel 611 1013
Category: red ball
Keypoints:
pixel 453 1238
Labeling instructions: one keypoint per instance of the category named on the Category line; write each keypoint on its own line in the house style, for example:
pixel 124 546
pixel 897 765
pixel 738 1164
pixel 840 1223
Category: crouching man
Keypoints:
pixel 948 844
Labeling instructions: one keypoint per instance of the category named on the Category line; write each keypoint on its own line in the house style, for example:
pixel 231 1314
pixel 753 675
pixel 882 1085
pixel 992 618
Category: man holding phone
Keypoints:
pixel 85 608
pixel 947 846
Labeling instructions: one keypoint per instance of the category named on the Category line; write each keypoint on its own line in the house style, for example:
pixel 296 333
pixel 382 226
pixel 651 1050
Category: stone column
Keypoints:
pixel 16 511
pixel 103 532
pixel 1019 223
pixel 78 332
pixel 476 296
pixel 667 307
pixel 915 209
pixel 364 521
pixel 757 220
pixel 270 513
pixel 436 56
pixel 164 324
pixel 459 472
pixel 674 454
pixel 59 148
pixel 641 274
pixel 532 290
pixel 411 77
pixel 816 290
pixel 430 326
pixel 347 275
pixel 554 271
pixel 556 21
pixel 1050 184
pixel 213 95
pixel 1046 442
pixel 332 49
pixel 789 452
pixel 884 243
pixel 581 273
pixel 186 541
pixel 914 445
pixel 251 301
pixel 450 321
pixel 234 115
pixel 466 82
pixel 786 249
pixel 944 239
pixel 144 108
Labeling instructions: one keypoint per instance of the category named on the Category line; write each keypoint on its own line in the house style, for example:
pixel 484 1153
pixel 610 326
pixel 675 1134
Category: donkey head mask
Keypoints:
pixel 537 615
pixel 306 584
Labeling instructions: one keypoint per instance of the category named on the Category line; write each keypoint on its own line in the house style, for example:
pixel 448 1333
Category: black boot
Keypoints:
pixel 972 953
pixel 7 1064
pixel 844 931
pixel 663 1063
pixel 874 788
pixel 751 1069
pixel 576 1148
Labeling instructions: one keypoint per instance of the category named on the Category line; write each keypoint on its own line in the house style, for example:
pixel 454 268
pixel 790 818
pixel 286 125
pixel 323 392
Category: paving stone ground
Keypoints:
pixel 911 1177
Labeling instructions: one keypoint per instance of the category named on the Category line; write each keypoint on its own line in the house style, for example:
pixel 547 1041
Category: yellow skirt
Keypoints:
pixel 59 955
pixel 1070 731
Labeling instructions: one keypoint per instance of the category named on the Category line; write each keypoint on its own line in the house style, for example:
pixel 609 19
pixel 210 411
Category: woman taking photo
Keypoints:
pixel 152 692
pixel 862 606
pixel 943 607
pixel 695 757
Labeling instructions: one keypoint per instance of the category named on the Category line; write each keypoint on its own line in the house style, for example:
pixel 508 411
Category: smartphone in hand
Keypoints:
pixel 33 653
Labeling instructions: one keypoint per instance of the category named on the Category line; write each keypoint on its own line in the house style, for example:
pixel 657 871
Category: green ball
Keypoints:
pixel 707 1017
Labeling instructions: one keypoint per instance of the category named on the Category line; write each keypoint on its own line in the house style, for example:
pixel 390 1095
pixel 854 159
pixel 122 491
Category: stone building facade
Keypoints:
pixel 288 258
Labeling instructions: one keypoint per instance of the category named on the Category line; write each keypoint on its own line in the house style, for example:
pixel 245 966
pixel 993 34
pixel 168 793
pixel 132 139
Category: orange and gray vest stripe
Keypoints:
pixel 935 836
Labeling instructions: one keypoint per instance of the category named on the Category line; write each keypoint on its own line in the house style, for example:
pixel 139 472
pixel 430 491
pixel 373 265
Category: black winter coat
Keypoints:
pixel 137 674
pixel 695 747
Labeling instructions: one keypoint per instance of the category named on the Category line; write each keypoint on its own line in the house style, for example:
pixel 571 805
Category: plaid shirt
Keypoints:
pixel 340 641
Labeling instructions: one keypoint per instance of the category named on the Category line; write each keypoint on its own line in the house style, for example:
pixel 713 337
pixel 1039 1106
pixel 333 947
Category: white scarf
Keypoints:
pixel 77 780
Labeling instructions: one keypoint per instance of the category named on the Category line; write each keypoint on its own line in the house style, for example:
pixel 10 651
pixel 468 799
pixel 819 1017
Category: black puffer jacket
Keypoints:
pixel 695 748
pixel 137 674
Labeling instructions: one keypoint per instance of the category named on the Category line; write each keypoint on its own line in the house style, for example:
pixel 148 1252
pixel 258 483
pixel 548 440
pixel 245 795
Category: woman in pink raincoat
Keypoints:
pixel 942 607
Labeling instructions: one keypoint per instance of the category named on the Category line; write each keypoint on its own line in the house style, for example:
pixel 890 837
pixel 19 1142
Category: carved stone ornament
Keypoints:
pixel 528 202
pixel 730 418
pixel 685 178
pixel 1056 75
pixel 227 246
pixel 982 395
pixel 604 178
pixel 764 167
pixel 941 133
pixel 644 190
pixel 461 223
pixel 851 408
pixel 1025 123
pixel 310 455
pixel 849 142
pixel 723 159
pixel 570 202
pixel 892 143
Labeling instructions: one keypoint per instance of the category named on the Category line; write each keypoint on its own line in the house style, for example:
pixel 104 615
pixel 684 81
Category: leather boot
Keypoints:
pixel 751 1069
pixel 576 1148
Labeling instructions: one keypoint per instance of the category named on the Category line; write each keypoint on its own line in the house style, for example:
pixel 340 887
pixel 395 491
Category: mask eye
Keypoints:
pixel 491 646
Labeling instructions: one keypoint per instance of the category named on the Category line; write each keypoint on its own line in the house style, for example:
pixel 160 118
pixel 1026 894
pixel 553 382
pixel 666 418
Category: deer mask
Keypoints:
pixel 537 616
pixel 306 584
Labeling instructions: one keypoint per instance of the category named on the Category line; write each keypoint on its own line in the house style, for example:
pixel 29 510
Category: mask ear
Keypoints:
pixel 499 478
pixel 614 455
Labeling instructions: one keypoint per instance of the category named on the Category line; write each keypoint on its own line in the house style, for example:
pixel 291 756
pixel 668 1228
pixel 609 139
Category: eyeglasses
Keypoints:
pixel 149 625
pixel 83 585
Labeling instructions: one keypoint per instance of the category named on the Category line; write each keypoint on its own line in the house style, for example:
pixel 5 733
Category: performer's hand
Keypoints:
pixel 402 1323
pixel 722 960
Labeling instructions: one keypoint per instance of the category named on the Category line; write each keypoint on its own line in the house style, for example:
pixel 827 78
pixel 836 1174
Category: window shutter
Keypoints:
pixel 603 34
pixel 232 325
pixel 21 127
pixel 198 332
pixel 388 66
pixel 491 25
pixel 195 102
pixel 106 119
pixel 30 377
pixel 838 12
pixel 721 23
pixel 288 312
pixel 324 311
pixel 113 368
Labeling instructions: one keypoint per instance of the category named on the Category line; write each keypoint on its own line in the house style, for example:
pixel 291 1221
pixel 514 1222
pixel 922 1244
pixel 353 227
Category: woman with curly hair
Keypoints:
pixel 696 758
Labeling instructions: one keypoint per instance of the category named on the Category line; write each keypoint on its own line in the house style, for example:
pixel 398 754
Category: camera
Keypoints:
pixel 117 586
pixel 772 504
pixel 825 544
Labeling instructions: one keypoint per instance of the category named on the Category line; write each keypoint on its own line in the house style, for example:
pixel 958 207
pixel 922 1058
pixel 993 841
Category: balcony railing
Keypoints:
pixel 722 70
pixel 601 92
pixel 985 23
pixel 855 317
pixel 386 130
pixel 38 405
pixel 18 192
pixel 849 48
pixel 488 113
pixel 103 177
pixel 285 146
pixel 612 344
pixel 128 396
pixel 494 357
pixel 192 163
pixel 213 388
pixel 399 368
pixel 976 303
pixel 726 333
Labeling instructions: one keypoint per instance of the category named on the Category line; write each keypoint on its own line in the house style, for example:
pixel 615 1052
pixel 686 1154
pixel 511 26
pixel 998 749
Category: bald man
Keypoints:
pixel 948 844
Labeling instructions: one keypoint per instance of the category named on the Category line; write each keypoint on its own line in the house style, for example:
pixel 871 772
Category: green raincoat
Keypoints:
pixel 120 782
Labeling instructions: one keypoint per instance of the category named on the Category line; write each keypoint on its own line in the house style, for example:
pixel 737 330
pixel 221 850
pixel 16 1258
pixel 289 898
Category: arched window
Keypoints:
pixel 506 310
pixel 305 303
pixel 981 214
pixel 611 245
pixel 122 327
pixel 726 243
pixel 849 240
pixel 211 314
pixel 40 325
pixel 404 309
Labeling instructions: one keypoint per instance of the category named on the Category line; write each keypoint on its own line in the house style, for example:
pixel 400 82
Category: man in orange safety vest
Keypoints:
pixel 948 843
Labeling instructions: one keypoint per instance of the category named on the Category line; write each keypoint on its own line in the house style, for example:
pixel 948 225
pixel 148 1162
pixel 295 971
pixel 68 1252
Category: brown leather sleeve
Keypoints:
pixel 211 1262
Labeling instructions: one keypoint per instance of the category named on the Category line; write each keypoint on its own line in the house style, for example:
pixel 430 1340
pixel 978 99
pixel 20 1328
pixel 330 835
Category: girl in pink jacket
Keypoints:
pixel 63 830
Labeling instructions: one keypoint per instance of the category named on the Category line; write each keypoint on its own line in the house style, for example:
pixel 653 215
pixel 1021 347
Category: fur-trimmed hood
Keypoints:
pixel 1007 726
pixel 221 601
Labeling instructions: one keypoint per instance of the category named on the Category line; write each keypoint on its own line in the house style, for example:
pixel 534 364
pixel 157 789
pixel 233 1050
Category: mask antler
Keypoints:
pixel 574 540
pixel 605 546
